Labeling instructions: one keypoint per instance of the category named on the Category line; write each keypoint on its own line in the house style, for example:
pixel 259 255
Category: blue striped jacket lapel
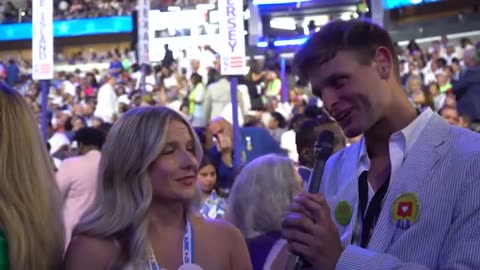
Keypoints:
pixel 414 172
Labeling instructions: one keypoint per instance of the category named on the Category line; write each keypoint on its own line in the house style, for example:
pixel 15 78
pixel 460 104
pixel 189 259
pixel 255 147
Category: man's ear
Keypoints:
pixel 384 63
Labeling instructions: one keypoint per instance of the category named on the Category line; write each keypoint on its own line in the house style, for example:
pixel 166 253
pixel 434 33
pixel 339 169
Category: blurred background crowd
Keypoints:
pixel 443 75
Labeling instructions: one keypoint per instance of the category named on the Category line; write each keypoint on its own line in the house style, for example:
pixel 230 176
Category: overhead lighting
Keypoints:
pixel 276 2
pixel 205 6
pixel 283 23
pixel 174 8
pixel 346 16
pixel 285 42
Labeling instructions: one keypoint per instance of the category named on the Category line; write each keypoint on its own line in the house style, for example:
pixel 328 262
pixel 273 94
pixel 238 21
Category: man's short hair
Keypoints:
pixel 89 136
pixel 359 36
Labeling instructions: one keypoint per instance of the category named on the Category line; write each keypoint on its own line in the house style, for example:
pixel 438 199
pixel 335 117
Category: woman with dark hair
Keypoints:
pixel 277 125
pixel 212 198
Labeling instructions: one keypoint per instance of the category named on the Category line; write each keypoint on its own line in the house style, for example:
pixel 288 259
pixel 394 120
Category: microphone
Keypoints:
pixel 323 149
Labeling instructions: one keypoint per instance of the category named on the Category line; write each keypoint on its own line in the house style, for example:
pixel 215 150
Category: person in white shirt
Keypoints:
pixel 150 81
pixel 185 62
pixel 58 140
pixel 406 196
pixel 68 86
pixel 217 97
pixel 287 142
pixel 107 101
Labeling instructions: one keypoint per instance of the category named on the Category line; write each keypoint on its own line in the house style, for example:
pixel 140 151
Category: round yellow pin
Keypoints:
pixel 406 210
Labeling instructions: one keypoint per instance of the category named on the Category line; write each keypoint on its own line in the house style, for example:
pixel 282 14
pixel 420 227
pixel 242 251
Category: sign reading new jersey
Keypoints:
pixel 232 36
pixel 142 45
pixel 42 40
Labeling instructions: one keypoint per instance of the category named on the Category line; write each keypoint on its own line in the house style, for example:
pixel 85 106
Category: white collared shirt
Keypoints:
pixel 400 144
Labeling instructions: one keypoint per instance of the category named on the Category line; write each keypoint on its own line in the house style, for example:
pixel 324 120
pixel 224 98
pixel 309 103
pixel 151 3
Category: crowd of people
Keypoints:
pixel 68 9
pixel 443 76
pixel 142 132
pixel 79 9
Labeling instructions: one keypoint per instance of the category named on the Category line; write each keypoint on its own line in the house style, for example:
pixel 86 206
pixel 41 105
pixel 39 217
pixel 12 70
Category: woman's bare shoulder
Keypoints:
pixel 87 252
pixel 217 225
pixel 229 242
pixel 221 229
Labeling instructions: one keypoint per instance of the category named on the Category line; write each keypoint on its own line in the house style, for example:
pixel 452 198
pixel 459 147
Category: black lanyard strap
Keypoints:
pixel 370 214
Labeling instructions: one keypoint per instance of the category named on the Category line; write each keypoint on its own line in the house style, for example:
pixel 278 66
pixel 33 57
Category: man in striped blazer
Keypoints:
pixel 407 196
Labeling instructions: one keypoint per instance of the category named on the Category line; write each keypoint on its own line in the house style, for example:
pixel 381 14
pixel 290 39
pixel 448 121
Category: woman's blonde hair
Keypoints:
pixel 30 203
pixel 120 210
pixel 261 194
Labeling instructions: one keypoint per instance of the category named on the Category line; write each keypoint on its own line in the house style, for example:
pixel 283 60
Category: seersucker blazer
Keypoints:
pixel 443 170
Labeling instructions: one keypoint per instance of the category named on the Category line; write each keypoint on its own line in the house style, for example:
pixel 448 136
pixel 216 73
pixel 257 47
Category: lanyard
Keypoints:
pixel 369 215
pixel 187 250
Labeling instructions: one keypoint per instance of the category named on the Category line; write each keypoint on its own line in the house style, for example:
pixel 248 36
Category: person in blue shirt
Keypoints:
pixel 256 142
pixel 116 66
pixel 13 73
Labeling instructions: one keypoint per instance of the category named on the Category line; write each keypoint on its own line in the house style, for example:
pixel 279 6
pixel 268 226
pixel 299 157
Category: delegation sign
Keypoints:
pixel 232 50
pixel 42 39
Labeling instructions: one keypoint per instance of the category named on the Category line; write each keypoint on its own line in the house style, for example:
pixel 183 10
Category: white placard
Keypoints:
pixel 42 39
pixel 142 45
pixel 232 36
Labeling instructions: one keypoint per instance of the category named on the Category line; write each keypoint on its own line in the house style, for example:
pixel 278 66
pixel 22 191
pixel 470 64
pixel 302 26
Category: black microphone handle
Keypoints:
pixel 313 186
pixel 315 179
pixel 323 150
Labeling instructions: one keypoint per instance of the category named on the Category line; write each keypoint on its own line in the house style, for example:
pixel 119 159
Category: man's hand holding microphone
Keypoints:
pixel 308 227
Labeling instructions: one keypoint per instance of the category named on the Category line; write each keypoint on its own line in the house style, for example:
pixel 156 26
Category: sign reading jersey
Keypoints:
pixel 42 40
pixel 232 36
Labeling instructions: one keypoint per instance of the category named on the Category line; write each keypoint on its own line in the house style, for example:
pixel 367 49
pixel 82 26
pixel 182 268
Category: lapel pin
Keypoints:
pixel 406 210
pixel 343 213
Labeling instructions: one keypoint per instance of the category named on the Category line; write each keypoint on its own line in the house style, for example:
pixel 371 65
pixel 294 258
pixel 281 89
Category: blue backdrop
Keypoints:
pixel 70 28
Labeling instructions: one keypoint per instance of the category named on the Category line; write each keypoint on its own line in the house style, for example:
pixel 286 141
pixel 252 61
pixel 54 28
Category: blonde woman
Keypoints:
pixel 258 200
pixel 31 227
pixel 141 217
